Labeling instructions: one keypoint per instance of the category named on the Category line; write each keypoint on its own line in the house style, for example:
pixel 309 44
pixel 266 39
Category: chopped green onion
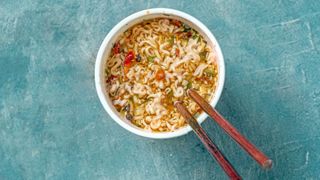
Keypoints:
pixel 199 39
pixel 195 36
pixel 184 42
pixel 209 72
pixel 151 58
pixel 171 41
pixel 189 85
pixel 169 99
pixel 203 55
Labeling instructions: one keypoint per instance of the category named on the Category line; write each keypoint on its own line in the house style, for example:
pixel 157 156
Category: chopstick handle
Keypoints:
pixel 253 151
pixel 211 147
pixel 215 152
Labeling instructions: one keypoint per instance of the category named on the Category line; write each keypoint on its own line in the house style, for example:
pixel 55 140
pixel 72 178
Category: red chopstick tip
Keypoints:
pixel 188 91
pixel 176 102
pixel 267 164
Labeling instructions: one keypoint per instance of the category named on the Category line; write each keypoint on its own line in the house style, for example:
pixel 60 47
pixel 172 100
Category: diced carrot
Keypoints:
pixel 177 52
pixel 160 74
pixel 125 70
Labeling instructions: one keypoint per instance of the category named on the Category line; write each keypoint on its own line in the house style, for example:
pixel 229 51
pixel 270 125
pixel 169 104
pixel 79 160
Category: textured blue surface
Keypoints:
pixel 52 125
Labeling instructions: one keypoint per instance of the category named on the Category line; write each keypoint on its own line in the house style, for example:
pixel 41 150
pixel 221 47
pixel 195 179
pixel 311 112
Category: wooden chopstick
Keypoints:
pixel 211 147
pixel 254 152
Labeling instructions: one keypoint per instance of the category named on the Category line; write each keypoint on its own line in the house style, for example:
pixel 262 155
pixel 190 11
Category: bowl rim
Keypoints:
pixel 100 62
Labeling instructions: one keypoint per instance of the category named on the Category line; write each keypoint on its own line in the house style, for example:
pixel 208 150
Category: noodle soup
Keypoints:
pixel 151 66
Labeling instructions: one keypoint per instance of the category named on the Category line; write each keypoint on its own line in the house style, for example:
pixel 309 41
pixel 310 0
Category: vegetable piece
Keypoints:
pixel 160 75
pixel 184 42
pixel 203 55
pixel 171 41
pixel 199 39
pixel 138 58
pixel 186 35
pixel 151 58
pixel 129 116
pixel 116 48
pixel 189 34
pixel 189 85
pixel 127 108
pixel 177 52
pixel 128 59
pixel 110 78
pixel 176 23
pixel 170 95
pixel 186 28
pixel 125 70
pixel 209 72
pixel 195 36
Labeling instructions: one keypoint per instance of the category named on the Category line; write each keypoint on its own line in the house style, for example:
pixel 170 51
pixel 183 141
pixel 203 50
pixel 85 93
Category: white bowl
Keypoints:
pixel 110 39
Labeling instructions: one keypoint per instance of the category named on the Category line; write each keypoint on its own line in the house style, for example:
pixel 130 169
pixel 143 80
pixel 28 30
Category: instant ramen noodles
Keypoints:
pixel 151 66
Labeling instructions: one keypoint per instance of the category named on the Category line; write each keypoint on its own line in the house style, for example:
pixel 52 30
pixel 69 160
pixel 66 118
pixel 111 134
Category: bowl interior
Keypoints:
pixel 120 28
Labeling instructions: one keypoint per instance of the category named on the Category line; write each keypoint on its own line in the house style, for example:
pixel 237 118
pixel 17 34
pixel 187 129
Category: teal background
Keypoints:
pixel 52 125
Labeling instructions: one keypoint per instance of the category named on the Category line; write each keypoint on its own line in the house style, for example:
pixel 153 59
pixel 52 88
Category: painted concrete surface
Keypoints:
pixel 52 125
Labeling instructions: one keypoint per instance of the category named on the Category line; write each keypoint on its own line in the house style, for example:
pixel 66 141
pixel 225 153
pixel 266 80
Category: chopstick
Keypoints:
pixel 211 147
pixel 253 151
